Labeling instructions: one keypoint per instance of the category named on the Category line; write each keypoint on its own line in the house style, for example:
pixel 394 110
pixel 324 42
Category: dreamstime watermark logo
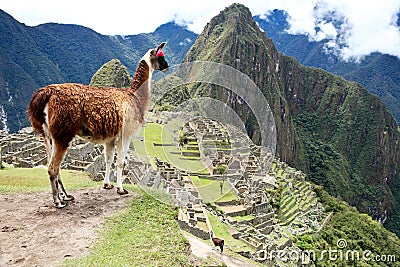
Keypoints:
pixel 236 92
pixel 339 254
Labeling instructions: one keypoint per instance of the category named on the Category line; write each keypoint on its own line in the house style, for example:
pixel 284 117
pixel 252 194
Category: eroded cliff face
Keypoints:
pixel 355 125
pixel 339 134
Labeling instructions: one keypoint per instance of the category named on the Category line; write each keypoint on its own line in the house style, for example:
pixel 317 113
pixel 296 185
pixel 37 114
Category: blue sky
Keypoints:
pixel 369 24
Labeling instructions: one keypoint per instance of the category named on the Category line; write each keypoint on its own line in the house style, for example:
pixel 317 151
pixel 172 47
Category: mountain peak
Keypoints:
pixel 232 27
pixel 235 11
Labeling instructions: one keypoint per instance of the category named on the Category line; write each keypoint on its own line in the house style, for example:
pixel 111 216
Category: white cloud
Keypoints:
pixel 367 26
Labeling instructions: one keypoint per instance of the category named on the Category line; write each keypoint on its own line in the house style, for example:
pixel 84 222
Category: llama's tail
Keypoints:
pixel 36 108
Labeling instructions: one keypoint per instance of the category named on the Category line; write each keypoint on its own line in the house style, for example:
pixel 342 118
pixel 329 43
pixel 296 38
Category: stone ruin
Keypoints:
pixel 252 179
pixel 24 149
pixel 251 182
pixel 269 228
pixel 219 145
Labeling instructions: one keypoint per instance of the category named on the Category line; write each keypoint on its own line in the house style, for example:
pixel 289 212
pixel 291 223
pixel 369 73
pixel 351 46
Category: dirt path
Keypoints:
pixel 202 250
pixel 33 233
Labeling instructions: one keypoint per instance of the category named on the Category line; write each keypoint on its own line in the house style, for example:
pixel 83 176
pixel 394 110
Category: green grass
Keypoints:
pixel 244 218
pixel 206 181
pixel 37 179
pixel 229 196
pixel 157 133
pixel 145 235
pixel 210 190
pixel 279 173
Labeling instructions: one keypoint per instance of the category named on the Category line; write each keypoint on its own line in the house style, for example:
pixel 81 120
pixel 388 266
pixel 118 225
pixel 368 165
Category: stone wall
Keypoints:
pixel 193 230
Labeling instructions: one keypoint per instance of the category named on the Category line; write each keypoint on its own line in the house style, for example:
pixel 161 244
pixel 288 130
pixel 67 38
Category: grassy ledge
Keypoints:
pixel 145 235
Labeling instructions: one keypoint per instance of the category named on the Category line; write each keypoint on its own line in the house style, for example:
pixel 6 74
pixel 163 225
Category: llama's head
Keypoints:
pixel 155 58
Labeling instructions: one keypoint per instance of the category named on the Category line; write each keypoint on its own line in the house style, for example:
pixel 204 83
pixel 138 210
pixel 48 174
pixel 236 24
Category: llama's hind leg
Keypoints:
pixel 109 150
pixel 49 150
pixel 47 142
pixel 54 172
pixel 63 194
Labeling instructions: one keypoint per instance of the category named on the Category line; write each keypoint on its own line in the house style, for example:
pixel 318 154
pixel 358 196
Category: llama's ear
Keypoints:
pixel 161 46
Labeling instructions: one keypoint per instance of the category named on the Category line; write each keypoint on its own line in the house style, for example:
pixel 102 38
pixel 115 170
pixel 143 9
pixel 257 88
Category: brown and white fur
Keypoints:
pixel 110 116
pixel 217 241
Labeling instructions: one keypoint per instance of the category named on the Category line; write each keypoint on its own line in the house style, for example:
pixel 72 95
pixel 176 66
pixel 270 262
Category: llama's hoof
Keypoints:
pixel 122 191
pixel 108 186
pixel 60 205
pixel 68 198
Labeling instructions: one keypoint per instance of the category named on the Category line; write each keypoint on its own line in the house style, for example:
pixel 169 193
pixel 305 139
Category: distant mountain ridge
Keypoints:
pixel 378 73
pixel 32 57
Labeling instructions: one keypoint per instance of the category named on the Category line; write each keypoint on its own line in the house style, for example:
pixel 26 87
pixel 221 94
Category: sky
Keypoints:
pixel 367 25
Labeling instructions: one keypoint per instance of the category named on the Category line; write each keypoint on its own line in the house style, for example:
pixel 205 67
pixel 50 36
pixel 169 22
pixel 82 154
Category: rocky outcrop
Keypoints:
pixel 111 74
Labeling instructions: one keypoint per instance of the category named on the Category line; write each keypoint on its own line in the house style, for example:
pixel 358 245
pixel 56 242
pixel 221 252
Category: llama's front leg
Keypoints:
pixel 109 149
pixel 120 167
pixel 123 146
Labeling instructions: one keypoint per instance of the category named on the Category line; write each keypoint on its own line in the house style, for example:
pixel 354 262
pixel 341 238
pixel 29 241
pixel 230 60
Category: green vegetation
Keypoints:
pixel 170 93
pixel 14 180
pixel 221 169
pixel 199 182
pixel 335 156
pixel 359 230
pixel 146 235
pixel 228 196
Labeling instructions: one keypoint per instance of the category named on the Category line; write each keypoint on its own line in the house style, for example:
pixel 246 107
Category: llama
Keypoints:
pixel 217 241
pixel 110 116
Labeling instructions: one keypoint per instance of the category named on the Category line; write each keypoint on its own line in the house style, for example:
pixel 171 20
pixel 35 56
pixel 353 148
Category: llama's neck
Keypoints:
pixel 142 77
pixel 140 87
